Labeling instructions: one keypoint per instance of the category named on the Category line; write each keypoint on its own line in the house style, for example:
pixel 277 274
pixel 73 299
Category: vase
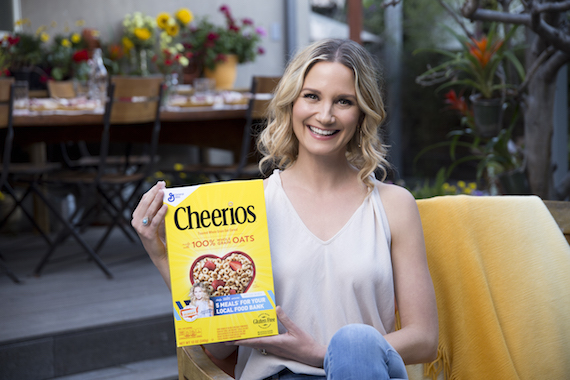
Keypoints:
pixel 224 73
pixel 81 87
pixel 487 115
pixel 139 62
pixel 170 85
pixel 191 72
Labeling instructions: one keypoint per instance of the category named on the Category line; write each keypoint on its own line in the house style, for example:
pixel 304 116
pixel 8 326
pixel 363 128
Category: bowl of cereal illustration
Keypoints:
pixel 230 274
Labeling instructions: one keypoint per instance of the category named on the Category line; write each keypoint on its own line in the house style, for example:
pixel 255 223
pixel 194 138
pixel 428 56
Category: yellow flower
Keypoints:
pixel 445 186
pixel 461 184
pixel 75 38
pixel 178 166
pixel 40 30
pixel 473 186
pixel 142 34
pixel 44 37
pixel 162 20
pixel 184 16
pixel 127 43
pixel 172 30
pixel 65 42
pixel 182 175
pixel 80 23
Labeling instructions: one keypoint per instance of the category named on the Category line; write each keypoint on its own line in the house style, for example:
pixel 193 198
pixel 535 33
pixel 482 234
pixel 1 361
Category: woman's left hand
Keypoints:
pixel 295 344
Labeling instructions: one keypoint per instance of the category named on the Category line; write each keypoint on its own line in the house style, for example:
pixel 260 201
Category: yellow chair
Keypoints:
pixel 500 267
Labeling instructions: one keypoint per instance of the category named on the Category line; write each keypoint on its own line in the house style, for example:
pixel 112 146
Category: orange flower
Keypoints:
pixel 480 49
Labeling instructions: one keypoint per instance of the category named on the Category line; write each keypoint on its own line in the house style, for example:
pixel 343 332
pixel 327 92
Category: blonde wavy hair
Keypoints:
pixel 277 142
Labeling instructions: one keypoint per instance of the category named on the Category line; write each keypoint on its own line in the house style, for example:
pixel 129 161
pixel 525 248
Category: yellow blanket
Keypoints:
pixel 501 272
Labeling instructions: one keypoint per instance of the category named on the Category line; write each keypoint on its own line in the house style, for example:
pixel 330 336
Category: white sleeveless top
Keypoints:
pixel 325 285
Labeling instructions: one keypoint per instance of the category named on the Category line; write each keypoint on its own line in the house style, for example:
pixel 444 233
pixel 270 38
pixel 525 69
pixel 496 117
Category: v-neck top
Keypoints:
pixel 325 285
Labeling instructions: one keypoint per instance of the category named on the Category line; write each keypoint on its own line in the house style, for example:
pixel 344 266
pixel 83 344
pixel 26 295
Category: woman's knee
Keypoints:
pixel 359 335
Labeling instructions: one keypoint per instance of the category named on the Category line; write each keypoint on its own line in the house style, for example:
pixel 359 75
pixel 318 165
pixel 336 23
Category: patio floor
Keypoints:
pixel 73 319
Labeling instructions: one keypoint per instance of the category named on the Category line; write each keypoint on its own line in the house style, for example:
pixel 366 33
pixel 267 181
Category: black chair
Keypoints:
pixel 25 175
pixel 105 187
pixel 246 166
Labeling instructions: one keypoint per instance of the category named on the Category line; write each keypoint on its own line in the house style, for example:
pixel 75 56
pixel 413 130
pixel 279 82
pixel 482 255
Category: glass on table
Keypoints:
pixel 204 86
pixel 21 95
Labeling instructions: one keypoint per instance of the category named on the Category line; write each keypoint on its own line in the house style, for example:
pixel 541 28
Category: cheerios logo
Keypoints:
pixel 263 321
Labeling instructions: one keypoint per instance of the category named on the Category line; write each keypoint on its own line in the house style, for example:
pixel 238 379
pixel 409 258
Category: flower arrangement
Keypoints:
pixel 211 44
pixel 171 56
pixel 476 66
pixel 24 48
pixel 138 31
pixel 62 51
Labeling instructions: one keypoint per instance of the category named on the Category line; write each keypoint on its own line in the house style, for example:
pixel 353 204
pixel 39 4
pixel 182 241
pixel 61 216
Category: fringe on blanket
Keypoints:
pixel 441 363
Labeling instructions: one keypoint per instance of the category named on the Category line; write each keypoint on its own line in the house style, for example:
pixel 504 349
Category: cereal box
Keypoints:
pixel 220 265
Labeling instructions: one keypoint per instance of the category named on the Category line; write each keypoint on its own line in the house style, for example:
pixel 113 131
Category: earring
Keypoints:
pixel 360 141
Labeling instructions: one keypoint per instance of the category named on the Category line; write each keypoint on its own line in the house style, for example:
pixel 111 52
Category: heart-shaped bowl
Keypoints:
pixel 229 256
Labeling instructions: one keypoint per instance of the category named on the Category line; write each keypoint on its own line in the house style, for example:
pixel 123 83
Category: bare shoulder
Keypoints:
pixel 399 204
pixel 394 195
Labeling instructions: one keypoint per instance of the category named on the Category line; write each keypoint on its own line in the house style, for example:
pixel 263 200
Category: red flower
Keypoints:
pixel 260 50
pixel 457 102
pixel 247 21
pixel 212 36
pixel 13 40
pixel 81 55
pixel 221 58
pixel 234 28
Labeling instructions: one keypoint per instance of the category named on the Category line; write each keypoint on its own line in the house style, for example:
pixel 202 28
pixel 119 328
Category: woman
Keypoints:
pixel 200 300
pixel 345 247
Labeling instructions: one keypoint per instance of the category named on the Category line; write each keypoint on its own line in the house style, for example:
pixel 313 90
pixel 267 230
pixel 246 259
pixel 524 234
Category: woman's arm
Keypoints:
pixel 153 235
pixel 417 341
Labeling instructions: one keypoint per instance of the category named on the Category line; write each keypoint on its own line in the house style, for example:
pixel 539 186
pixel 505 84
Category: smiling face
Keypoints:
pixel 198 293
pixel 326 113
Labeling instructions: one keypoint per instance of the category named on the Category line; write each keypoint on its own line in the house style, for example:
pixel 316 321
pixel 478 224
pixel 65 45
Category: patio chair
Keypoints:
pixel 500 270
pixel 261 92
pixel 107 188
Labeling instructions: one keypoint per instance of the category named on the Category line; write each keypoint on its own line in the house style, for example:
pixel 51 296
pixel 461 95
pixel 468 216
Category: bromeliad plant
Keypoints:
pixel 478 66
pixel 495 155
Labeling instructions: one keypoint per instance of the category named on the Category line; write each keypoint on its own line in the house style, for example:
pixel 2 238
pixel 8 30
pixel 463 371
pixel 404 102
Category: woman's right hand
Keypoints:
pixel 152 234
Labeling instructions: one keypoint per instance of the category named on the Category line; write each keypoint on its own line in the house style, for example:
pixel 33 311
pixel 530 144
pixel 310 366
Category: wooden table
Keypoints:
pixel 205 127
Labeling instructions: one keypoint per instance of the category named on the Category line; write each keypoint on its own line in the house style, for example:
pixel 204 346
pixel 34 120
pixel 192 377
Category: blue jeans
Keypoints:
pixel 356 352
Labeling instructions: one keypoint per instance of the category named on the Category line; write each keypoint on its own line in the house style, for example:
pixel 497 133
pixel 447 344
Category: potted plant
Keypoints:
pixel 500 160
pixel 218 46
pixel 478 67
pixel 26 51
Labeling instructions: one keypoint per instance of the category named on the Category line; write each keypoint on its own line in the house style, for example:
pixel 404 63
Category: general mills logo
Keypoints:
pixel 171 197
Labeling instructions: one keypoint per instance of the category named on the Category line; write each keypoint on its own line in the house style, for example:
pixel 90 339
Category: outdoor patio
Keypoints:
pixel 73 322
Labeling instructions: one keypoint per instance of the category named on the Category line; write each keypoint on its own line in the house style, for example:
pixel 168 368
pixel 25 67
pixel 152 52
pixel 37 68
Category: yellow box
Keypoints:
pixel 217 241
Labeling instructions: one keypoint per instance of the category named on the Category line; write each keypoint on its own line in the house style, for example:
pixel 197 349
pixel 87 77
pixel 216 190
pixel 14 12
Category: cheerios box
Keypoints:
pixel 220 264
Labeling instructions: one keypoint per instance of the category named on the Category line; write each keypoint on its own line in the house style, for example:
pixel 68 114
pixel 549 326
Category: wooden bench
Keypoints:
pixel 194 363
